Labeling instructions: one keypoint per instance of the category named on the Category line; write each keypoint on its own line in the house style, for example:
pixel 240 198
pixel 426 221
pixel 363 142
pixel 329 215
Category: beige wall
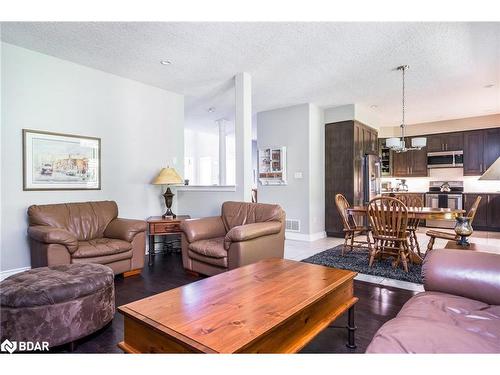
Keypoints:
pixel 469 123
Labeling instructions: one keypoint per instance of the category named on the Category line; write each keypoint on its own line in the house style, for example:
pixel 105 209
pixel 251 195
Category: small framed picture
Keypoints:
pixel 53 161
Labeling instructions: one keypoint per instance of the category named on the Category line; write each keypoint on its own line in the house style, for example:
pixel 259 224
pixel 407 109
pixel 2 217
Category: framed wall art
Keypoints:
pixel 53 161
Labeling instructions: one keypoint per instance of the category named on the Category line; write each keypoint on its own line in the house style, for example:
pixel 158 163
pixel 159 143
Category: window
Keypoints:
pixel 202 151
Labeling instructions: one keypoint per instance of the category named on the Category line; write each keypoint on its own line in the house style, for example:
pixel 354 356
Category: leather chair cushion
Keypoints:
pixel 107 259
pixel 241 213
pixel 434 322
pixel 51 285
pixel 218 262
pixel 85 220
pixel 213 248
pixel 101 247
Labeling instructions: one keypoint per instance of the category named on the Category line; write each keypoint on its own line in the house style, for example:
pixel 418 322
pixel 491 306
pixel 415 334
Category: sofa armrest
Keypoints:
pixel 52 235
pixel 250 231
pixel 470 274
pixel 124 229
pixel 203 229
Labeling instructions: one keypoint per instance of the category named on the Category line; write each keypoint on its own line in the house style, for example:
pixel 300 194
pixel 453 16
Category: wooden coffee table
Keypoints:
pixel 473 247
pixel 272 306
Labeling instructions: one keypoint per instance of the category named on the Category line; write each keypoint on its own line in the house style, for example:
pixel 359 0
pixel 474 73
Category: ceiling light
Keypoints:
pixel 374 106
pixel 489 86
pixel 399 144
pixel 211 109
pixel 165 62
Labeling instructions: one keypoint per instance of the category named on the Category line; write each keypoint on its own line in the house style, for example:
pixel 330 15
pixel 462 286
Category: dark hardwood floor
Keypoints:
pixel 376 305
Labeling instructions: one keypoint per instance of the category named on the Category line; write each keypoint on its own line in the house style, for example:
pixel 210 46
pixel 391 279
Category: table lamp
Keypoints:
pixel 168 176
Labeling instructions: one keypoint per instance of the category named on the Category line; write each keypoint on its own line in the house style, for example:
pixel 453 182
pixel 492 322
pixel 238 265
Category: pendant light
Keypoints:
pixel 398 144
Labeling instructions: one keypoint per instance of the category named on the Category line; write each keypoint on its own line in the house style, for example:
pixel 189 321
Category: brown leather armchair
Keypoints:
pixel 244 233
pixel 87 232
pixel 459 312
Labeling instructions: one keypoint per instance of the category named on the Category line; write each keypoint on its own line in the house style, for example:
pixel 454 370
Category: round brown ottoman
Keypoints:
pixel 57 304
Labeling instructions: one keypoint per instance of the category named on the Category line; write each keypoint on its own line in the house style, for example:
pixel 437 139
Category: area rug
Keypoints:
pixel 357 260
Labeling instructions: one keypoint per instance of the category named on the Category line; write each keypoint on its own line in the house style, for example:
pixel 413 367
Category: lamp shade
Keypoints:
pixel 419 142
pixel 167 176
pixel 393 142
pixel 493 172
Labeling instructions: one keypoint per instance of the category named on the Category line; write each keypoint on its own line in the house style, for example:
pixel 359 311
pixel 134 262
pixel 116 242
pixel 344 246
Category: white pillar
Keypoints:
pixel 221 123
pixel 243 136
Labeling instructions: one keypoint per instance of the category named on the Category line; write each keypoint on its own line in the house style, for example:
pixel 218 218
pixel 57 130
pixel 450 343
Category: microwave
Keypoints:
pixel 445 159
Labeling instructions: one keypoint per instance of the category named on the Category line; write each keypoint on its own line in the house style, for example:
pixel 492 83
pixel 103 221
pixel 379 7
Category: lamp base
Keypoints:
pixel 168 195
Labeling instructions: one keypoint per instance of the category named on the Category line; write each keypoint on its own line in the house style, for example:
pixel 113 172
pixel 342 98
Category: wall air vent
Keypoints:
pixel 293 225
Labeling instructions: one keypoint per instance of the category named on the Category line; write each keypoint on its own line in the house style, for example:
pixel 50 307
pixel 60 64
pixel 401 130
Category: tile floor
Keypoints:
pixel 298 250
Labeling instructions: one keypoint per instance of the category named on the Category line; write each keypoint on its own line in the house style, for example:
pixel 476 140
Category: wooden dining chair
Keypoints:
pixel 451 236
pixel 351 228
pixel 414 201
pixel 388 218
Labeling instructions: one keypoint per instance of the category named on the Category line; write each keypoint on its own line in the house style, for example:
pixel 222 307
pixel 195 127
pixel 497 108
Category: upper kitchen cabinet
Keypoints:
pixel 481 149
pixel 445 142
pixel 410 163
pixel 491 146
pixel 473 153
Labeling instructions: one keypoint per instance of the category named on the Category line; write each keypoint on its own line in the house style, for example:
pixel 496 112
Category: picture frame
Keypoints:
pixel 58 161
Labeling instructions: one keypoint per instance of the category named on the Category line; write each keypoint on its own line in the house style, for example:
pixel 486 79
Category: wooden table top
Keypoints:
pixel 223 313
pixel 160 219
pixel 417 212
pixel 473 247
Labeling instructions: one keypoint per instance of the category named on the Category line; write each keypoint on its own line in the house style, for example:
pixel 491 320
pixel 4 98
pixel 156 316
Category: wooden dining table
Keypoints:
pixel 422 213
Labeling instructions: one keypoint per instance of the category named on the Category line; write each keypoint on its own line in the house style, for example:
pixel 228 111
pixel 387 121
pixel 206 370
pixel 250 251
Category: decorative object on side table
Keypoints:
pixel 168 176
pixel 463 228
pixel 161 226
pixel 54 161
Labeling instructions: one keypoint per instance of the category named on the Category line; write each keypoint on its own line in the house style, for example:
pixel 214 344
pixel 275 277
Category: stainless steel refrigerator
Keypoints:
pixel 371 173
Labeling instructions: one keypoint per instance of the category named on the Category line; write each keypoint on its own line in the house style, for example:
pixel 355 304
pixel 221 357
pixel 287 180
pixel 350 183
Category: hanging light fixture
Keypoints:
pixel 398 144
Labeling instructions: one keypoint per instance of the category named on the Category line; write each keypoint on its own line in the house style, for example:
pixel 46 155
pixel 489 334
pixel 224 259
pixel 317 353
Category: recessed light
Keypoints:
pixel 165 62
pixel 374 106
pixel 211 109
pixel 489 86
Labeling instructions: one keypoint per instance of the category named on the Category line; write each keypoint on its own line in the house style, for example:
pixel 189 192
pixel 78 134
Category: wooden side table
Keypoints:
pixel 160 226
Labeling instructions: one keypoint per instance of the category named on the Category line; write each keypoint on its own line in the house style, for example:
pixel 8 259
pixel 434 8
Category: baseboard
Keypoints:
pixel 7 273
pixel 305 237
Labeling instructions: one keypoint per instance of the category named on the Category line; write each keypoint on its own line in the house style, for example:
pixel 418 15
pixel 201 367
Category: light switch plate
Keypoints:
pixel 297 175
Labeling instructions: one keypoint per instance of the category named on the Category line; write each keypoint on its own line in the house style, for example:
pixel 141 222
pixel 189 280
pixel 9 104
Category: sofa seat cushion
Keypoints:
pixel 213 247
pixel 433 322
pixel 101 247
pixel 51 285
pixel 218 262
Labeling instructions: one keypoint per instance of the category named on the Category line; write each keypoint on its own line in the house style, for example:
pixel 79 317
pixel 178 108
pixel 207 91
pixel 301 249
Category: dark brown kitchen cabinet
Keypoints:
pixel 410 163
pixel 346 143
pixel 488 213
pixel 494 211
pixel 491 146
pixel 445 142
pixel 481 149
pixel 474 153
pixel 480 220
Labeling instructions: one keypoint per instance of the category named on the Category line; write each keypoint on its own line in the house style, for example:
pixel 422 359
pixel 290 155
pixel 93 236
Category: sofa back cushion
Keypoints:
pixel 241 213
pixel 85 220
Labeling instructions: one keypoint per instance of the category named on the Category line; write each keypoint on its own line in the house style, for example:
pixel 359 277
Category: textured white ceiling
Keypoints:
pixel 329 64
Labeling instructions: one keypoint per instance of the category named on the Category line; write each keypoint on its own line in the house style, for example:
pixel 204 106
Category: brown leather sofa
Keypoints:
pixel 244 233
pixel 87 232
pixel 459 312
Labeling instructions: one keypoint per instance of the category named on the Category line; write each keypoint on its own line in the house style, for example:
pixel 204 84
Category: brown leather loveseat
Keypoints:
pixel 87 232
pixel 244 233
pixel 459 312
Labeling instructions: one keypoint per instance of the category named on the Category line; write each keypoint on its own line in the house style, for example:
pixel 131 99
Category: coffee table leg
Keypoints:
pixel 351 328
pixel 151 249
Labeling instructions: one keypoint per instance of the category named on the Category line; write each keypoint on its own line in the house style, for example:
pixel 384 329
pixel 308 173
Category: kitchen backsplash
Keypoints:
pixel 471 183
